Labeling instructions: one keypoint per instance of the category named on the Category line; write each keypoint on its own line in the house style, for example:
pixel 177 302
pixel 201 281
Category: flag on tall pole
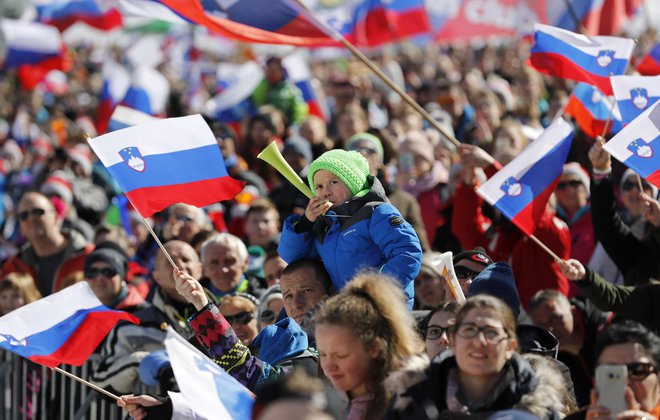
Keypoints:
pixel 638 145
pixel 522 188
pixel 174 160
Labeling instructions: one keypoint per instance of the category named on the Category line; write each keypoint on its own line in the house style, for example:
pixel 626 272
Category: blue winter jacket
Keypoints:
pixel 374 237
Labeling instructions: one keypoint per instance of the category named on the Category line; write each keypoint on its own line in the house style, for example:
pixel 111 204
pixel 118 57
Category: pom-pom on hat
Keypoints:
pixel 351 167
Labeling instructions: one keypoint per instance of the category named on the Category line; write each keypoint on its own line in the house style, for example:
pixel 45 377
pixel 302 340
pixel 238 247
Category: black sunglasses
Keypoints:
pixel 464 272
pixel 574 183
pixel 639 371
pixel 183 218
pixel 268 316
pixel 93 273
pixel 365 150
pixel 629 185
pixel 24 215
pixel 242 318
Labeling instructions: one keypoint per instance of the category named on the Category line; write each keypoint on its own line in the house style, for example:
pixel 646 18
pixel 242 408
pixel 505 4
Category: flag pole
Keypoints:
pixel 89 384
pixel 545 248
pixel 370 64
pixel 153 234
pixel 609 116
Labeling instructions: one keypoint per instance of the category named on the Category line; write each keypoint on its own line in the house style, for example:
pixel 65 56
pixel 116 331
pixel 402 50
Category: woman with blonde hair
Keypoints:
pixel 16 290
pixel 364 335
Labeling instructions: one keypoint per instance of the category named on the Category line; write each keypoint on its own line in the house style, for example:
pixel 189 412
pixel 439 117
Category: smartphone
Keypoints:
pixel 611 381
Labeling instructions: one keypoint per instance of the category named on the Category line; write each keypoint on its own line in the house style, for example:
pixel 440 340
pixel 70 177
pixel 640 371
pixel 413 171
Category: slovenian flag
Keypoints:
pixel 64 13
pixel 592 110
pixel 65 327
pixel 650 64
pixel 124 117
pixel 116 81
pixel 236 83
pixel 634 94
pixel 561 53
pixel 637 144
pixel 34 49
pixel 174 160
pixel 522 188
pixel 148 91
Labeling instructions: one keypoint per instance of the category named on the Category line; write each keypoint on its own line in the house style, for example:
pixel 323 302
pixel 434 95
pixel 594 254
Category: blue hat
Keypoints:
pixel 497 280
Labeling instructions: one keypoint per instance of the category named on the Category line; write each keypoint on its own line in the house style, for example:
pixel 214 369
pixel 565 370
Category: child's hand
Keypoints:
pixel 189 288
pixel 316 207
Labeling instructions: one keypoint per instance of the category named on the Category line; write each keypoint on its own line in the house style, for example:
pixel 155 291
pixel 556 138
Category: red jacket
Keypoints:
pixel 533 268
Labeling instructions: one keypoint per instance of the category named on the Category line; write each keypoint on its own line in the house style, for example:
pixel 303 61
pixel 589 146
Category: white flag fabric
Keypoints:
pixel 208 389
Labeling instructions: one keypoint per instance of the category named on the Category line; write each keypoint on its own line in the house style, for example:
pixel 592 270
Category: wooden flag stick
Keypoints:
pixel 370 64
pixel 609 116
pixel 160 244
pixel 89 384
pixel 545 248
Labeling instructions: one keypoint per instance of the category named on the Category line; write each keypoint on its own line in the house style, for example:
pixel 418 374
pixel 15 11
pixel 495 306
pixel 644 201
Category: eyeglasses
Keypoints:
pixel 491 334
pixel 464 272
pixel 241 318
pixel 24 215
pixel 434 332
pixel 267 316
pixel 574 183
pixel 365 150
pixel 629 185
pixel 93 273
pixel 183 218
pixel 639 371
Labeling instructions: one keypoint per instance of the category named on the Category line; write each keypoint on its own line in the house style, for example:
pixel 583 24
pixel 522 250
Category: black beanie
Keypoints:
pixel 110 256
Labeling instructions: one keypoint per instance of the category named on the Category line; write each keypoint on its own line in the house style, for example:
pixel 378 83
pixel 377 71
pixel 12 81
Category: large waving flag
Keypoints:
pixel 568 55
pixel 65 327
pixel 64 13
pixel 174 160
pixel 34 49
pixel 215 16
pixel 650 63
pixel 638 144
pixel 592 110
pixel 233 104
pixel 299 73
pixel 522 188
pixel 148 91
pixel 207 388
pixel 376 22
pixel 116 81
pixel 597 17
pixel 635 94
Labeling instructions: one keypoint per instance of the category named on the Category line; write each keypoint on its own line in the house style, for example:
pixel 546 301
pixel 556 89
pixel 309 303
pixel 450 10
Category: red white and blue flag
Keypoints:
pixel 568 55
pixel 124 117
pixel 64 13
pixel 65 327
pixel 592 110
pixel 174 160
pixel 148 91
pixel 34 49
pixel 634 94
pixel 298 72
pixel 116 81
pixel 650 63
pixel 236 83
pixel 597 17
pixel 638 145
pixel 522 188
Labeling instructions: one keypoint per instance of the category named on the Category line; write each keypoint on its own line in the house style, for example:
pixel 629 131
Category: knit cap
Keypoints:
pixel 58 183
pixel 368 137
pixel 109 256
pixel 575 169
pixel 351 167
pixel 497 280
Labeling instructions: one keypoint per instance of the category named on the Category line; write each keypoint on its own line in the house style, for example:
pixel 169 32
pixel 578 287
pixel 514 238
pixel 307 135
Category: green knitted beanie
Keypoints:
pixel 351 167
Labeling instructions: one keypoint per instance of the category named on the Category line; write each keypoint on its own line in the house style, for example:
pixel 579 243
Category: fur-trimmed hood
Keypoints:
pixel 416 395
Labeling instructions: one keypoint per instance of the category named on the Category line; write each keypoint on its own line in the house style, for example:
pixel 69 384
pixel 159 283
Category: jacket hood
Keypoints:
pixel 280 341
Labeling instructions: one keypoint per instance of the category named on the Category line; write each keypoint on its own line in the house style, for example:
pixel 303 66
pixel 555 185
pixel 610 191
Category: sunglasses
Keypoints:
pixel 182 218
pixel 465 273
pixel 434 332
pixel 629 185
pixel 93 273
pixel 639 371
pixel 574 183
pixel 267 316
pixel 24 215
pixel 365 150
pixel 241 318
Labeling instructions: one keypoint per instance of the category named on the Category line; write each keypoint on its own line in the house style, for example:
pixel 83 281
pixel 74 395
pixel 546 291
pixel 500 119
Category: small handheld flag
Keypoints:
pixel 561 53
pixel 174 160
pixel 634 94
pixel 650 64
pixel 522 188
pixel 593 110
pixel 638 144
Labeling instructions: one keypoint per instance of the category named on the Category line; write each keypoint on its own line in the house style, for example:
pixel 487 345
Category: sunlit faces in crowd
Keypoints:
pixel 240 313
pixel 572 190
pixel 437 327
pixel 104 280
pixel 508 141
pixel 37 217
pixel 329 187
pixel 185 258
pixel 484 338
pixel 304 284
pixel 185 221
pixel 262 223
pixel 224 260
pixel 553 311
pixel 630 192
pixel 273 266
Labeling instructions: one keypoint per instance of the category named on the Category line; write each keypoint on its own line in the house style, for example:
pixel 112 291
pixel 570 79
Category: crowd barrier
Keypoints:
pixel 34 392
